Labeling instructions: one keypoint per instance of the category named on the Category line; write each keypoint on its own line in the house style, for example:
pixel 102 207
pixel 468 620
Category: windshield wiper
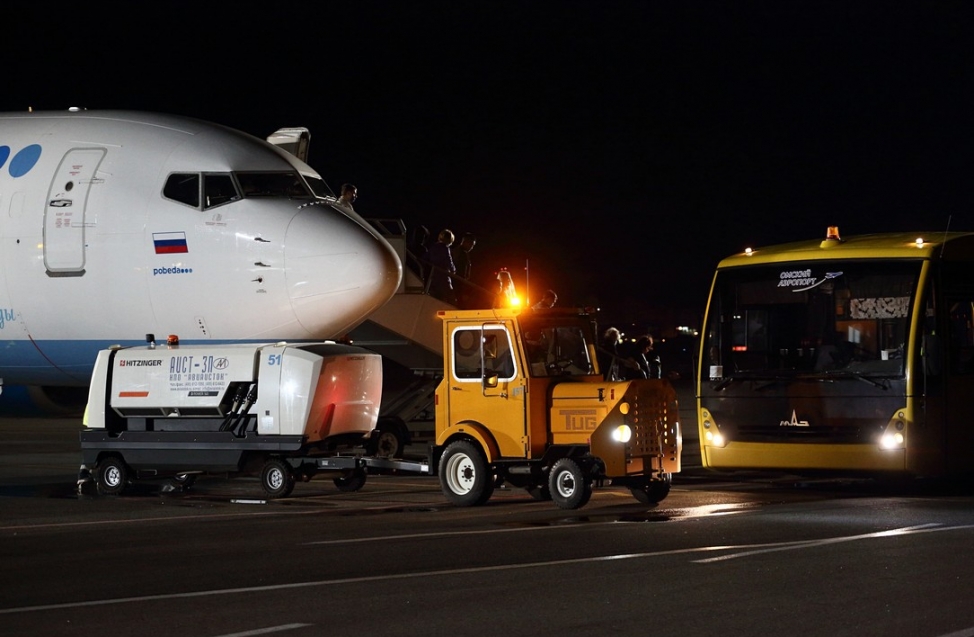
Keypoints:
pixel 847 373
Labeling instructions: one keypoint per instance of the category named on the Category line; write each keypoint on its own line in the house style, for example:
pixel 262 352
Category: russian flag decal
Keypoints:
pixel 170 242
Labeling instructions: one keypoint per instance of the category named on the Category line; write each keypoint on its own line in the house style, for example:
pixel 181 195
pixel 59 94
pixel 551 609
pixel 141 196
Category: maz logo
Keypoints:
pixel 22 161
pixel 794 422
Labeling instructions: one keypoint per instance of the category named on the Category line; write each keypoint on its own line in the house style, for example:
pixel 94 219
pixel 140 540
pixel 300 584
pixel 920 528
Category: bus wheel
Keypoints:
pixel 111 474
pixel 652 491
pixel 276 478
pixel 464 475
pixel 570 488
pixel 351 481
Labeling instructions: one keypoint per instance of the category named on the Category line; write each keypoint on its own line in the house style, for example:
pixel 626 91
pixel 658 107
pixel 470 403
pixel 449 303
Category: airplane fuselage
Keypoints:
pixel 114 225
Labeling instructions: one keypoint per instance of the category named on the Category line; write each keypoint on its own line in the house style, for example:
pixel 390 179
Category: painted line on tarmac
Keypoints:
pixel 266 631
pixel 926 528
pixel 790 546
pixel 440 534
pixel 55 525
pixel 677 514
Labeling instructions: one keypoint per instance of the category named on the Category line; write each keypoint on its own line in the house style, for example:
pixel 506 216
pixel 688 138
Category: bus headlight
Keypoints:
pixel 891 441
pixel 714 438
pixel 622 433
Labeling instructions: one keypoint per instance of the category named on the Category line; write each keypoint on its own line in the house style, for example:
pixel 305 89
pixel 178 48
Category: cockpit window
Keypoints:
pixel 319 186
pixel 286 184
pixel 219 190
pixel 184 188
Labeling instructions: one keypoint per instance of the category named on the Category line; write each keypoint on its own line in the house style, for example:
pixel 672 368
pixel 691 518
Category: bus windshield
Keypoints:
pixel 820 319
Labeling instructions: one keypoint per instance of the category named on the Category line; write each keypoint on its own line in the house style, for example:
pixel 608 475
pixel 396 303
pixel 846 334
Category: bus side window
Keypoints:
pixel 962 337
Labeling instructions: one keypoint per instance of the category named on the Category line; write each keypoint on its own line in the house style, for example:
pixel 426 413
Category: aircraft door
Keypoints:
pixel 64 213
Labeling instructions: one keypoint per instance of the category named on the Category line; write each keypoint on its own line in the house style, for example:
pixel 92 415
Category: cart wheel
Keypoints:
pixel 277 478
pixel 570 488
pixel 111 476
pixel 351 481
pixel 183 480
pixel 652 491
pixel 464 475
pixel 387 442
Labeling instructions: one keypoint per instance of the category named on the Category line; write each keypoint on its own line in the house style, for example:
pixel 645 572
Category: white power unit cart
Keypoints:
pixel 282 411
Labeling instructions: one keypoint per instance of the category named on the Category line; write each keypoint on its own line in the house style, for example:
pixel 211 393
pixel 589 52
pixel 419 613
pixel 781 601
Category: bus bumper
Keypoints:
pixel 743 455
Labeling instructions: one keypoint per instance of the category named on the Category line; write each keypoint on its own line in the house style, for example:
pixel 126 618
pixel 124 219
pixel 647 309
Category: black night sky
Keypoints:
pixel 622 148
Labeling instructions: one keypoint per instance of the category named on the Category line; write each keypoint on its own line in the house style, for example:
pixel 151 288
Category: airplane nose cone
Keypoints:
pixel 337 271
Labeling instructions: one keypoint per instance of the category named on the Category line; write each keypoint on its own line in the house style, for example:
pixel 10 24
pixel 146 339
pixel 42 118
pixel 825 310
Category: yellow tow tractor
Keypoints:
pixel 523 402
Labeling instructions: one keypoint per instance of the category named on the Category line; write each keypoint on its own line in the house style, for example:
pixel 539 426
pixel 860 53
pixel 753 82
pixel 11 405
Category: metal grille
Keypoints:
pixel 849 434
pixel 653 418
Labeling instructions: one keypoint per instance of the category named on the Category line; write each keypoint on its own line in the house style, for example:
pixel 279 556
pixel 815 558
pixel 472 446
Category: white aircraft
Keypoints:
pixel 115 225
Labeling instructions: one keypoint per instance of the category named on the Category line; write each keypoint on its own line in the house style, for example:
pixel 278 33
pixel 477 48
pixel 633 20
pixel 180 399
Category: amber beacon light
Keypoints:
pixel 832 237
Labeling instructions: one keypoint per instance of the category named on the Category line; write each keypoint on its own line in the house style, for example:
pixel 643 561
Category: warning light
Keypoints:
pixel 506 294
pixel 832 238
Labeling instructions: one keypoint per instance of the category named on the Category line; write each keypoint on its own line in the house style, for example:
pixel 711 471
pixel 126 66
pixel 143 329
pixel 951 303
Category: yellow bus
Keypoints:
pixel 852 355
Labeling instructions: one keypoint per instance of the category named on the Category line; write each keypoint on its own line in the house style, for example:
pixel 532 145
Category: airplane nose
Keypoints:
pixel 337 271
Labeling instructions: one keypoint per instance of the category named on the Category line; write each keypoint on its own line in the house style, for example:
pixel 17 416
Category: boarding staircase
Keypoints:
pixel 408 334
